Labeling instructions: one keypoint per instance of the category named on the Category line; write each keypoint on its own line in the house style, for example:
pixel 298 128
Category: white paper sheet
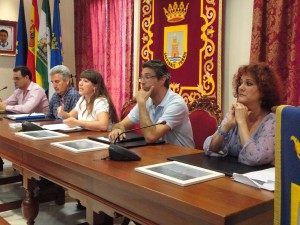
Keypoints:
pixel 264 179
pixel 26 116
pixel 60 126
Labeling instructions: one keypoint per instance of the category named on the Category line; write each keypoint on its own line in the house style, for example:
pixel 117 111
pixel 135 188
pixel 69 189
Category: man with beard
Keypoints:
pixel 157 103
pixel 65 94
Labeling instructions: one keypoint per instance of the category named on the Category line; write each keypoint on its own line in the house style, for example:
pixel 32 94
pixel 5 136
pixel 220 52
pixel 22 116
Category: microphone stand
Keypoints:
pixel 3 88
pixel 140 128
pixel 29 126
pixel 119 153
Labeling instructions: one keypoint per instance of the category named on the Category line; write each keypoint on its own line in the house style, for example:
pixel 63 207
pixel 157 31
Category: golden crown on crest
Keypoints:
pixel 176 13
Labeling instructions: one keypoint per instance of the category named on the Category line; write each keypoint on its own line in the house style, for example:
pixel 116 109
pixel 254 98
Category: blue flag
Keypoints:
pixel 56 45
pixel 287 166
pixel 22 43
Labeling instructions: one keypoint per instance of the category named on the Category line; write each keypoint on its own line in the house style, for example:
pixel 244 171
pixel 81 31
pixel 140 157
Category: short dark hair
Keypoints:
pixel 4 31
pixel 160 69
pixel 25 71
pixel 268 82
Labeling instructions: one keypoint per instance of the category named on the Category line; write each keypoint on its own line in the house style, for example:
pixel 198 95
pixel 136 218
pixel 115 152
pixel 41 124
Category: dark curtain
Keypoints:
pixel 275 40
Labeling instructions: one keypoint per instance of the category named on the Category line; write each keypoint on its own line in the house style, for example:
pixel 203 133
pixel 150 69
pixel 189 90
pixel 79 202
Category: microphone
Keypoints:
pixel 119 153
pixel 3 88
pixel 29 126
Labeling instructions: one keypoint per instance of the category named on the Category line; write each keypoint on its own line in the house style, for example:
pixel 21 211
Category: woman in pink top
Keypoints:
pixel 248 130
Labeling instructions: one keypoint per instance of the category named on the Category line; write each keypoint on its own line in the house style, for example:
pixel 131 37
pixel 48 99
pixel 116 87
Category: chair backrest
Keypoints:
pixel 205 116
pixel 126 109
pixel 287 166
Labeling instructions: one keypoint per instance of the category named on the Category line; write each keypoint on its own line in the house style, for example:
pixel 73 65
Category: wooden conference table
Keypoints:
pixel 111 186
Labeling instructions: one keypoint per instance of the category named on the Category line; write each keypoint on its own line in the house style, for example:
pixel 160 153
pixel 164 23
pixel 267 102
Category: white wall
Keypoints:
pixel 9 10
pixel 237 37
pixel 237 40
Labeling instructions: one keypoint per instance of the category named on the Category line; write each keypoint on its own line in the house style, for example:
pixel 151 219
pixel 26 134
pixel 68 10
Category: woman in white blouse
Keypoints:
pixel 95 109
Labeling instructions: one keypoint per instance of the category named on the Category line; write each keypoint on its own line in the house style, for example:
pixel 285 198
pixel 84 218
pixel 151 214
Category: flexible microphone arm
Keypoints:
pixel 28 116
pixel 140 128
pixel 3 88
pixel 119 153
pixel 28 126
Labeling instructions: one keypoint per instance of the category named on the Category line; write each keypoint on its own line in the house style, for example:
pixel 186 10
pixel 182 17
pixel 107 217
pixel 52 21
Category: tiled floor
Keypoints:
pixel 49 213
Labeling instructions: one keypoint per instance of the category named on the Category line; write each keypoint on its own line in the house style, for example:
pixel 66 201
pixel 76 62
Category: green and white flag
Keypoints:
pixel 44 47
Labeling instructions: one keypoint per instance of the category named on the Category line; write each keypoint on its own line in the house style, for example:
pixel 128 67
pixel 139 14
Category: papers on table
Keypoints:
pixel 15 125
pixel 264 179
pixel 61 127
pixel 26 116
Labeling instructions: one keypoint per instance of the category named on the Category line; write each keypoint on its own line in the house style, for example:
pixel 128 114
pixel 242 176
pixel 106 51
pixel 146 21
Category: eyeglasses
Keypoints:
pixel 146 78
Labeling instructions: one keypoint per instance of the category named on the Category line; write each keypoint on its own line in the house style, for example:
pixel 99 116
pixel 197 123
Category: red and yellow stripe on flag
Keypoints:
pixel 33 39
